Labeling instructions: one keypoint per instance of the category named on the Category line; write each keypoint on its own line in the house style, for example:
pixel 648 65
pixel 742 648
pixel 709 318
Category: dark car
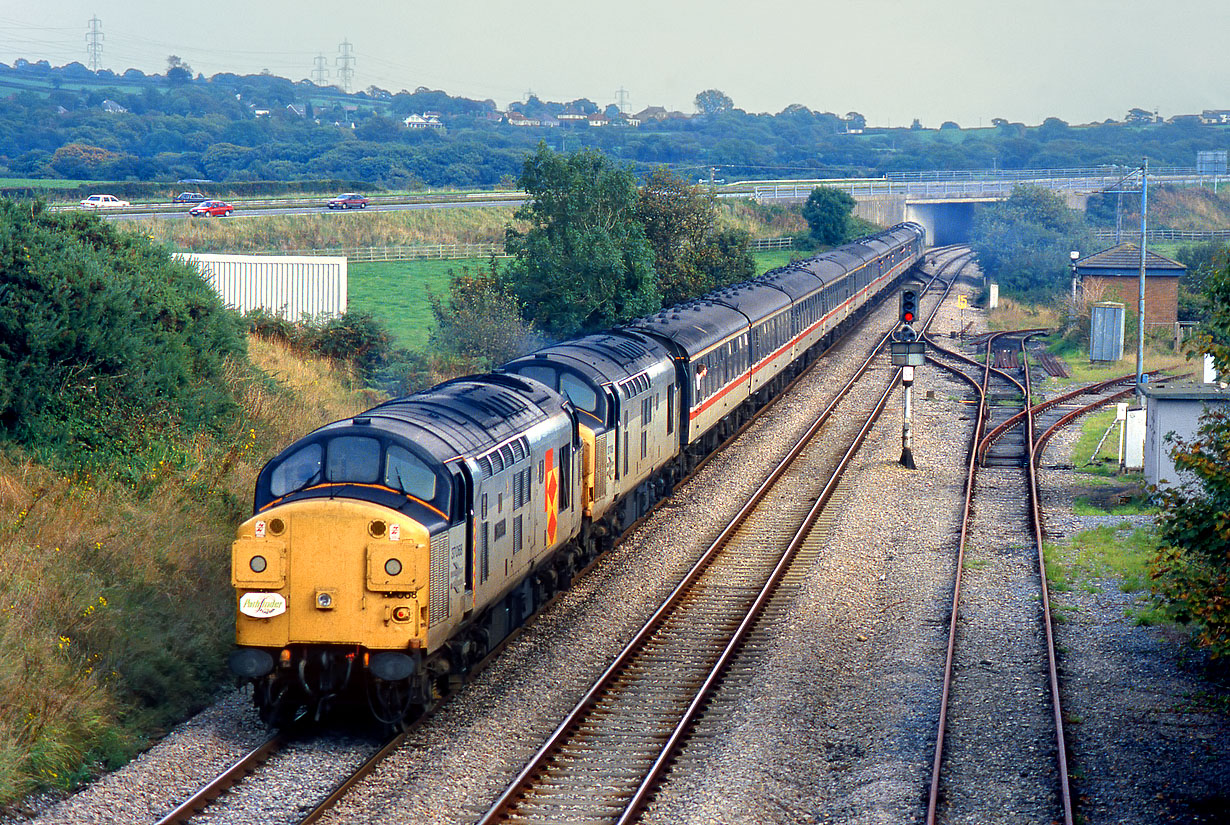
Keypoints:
pixel 350 200
pixel 211 209
pixel 189 197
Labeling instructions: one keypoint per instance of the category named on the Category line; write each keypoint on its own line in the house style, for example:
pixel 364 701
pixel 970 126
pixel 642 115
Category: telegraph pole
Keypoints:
pixel 93 43
pixel 321 73
pixel 344 59
pixel 1140 299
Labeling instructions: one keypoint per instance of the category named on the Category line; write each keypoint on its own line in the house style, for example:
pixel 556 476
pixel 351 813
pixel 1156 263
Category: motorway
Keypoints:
pixel 916 186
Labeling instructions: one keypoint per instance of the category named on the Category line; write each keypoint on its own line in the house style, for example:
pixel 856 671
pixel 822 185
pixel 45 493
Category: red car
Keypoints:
pixel 350 200
pixel 211 209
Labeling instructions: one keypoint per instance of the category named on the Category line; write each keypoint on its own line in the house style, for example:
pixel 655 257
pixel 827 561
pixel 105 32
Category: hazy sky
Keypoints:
pixel 892 60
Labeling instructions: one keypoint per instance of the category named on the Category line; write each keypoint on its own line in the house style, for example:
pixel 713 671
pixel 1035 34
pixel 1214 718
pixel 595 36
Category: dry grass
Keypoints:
pixel 326 230
pixel 760 220
pixel 1012 314
pixel 115 603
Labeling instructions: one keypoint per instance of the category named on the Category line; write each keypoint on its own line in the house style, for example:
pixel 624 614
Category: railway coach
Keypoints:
pixel 389 552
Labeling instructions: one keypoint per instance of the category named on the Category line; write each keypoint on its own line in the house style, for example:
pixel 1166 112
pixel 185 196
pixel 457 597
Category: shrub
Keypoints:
pixel 106 342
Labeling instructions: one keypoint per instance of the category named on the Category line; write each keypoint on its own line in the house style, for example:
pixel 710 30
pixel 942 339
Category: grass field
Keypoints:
pixel 395 292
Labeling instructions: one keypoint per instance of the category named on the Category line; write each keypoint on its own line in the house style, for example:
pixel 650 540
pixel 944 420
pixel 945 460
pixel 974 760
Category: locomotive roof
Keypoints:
pixel 465 416
pixel 606 357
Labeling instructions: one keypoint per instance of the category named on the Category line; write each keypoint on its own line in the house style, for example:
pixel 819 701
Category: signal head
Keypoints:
pixel 909 306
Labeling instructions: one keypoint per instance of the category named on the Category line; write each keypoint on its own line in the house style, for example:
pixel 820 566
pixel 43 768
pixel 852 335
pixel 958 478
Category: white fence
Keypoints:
pixel 289 286
pixel 458 251
pixel 1164 235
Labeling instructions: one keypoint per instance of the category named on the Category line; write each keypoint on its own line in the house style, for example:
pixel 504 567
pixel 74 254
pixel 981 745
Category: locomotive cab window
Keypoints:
pixel 582 395
pixel 298 470
pixel 353 458
pixel 406 472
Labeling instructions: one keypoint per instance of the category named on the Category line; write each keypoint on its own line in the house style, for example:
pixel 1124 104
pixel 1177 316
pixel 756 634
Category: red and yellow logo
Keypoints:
pixel 551 503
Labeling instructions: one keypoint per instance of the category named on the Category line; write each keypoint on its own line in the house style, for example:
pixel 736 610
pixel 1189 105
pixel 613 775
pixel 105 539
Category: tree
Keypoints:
pixel 177 70
pixel 713 102
pixel 1023 242
pixel 827 212
pixel 691 256
pixel 584 263
pixel 1191 572
pixel 481 321
pixel 949 124
pixel 855 122
pixel 916 125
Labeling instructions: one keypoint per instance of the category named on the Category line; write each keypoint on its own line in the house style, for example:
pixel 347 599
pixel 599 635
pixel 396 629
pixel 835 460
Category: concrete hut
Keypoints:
pixel 1114 275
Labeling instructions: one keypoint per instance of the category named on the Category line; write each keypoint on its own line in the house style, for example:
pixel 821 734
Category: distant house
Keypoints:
pixel 260 112
pixel 518 119
pixel 549 122
pixel 651 113
pixel 111 107
pixel 571 117
pixel 1114 275
pixel 423 121
pixel 297 111
pixel 598 119
pixel 1215 116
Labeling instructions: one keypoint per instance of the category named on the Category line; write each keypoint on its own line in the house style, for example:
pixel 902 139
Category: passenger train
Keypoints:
pixel 389 552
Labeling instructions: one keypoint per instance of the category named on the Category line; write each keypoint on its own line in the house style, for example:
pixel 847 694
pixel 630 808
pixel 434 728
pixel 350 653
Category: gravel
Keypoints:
pixel 835 719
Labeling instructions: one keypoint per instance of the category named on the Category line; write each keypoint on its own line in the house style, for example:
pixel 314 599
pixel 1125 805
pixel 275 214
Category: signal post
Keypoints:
pixel 908 352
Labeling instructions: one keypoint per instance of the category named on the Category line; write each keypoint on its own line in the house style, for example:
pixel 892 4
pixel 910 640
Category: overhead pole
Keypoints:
pixel 1140 298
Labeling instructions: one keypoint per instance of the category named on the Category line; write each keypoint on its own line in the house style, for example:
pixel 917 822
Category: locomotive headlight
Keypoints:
pixel 324 599
pixel 392 567
pixel 258 564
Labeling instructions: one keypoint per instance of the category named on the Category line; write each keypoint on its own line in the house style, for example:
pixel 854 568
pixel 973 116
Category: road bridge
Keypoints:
pixel 944 202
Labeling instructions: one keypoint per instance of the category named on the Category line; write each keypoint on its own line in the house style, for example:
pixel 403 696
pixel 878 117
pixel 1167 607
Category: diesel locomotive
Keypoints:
pixel 389 552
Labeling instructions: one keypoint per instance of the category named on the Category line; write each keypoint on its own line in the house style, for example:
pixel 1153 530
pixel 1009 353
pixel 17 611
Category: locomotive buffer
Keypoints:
pixel 908 352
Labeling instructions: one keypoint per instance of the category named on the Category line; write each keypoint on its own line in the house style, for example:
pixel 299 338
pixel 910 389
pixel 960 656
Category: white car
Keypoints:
pixel 103 202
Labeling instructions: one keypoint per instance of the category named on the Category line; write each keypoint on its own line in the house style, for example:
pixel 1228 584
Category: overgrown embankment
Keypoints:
pixel 134 415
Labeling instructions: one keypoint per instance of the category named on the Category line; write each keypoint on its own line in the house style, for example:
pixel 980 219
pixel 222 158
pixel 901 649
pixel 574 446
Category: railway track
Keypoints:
pixel 605 759
pixel 252 762
pixel 1000 737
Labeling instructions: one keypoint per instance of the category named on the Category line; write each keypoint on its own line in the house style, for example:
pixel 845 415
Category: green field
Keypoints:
pixel 395 292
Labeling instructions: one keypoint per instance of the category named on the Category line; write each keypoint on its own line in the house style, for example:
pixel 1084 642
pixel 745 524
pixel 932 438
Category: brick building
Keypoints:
pixel 1114 275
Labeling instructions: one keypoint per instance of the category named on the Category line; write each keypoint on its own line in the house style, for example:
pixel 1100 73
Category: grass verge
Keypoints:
pixel 116 610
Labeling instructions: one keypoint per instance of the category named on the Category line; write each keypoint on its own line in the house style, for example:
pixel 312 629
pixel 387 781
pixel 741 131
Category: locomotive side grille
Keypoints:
pixel 600 466
pixel 517 547
pixel 439 577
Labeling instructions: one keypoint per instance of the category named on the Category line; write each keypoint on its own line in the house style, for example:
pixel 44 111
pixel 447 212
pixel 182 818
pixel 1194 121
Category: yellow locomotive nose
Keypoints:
pixel 331 571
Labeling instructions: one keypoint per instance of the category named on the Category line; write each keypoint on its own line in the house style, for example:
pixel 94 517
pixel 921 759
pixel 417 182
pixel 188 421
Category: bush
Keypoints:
pixel 354 338
pixel 106 342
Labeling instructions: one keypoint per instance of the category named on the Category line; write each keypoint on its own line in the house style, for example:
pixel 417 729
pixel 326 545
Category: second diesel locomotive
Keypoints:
pixel 389 552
